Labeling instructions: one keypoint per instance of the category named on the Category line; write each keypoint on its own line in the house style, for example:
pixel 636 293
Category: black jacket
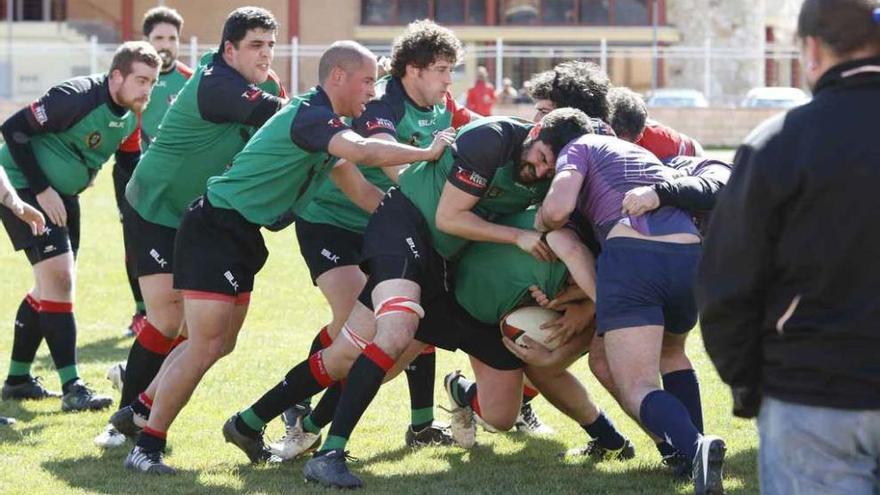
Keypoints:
pixel 789 283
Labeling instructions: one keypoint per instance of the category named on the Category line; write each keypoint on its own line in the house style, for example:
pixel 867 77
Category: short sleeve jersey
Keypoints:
pixel 392 112
pixel 83 127
pixel 697 166
pixel 163 95
pixel 610 168
pixel 484 161
pixel 493 279
pixel 211 119
pixel 280 169
pixel 665 142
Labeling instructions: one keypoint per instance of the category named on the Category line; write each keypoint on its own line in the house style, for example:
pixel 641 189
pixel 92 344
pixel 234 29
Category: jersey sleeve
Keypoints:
pixel 226 97
pixel 478 154
pixel 184 70
pixel 282 93
pixel 314 126
pixel 378 118
pixel 574 156
pixel 132 143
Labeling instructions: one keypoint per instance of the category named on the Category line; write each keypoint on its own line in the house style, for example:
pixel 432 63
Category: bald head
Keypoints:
pixel 345 55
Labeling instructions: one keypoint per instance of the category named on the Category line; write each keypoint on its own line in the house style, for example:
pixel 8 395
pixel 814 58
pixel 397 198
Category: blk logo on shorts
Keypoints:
pixel 49 249
pixel 334 258
pixel 231 279
pixel 158 257
pixel 412 247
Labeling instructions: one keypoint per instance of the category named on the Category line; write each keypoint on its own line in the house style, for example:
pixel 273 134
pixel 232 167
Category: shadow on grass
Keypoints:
pixel 529 469
pixel 104 350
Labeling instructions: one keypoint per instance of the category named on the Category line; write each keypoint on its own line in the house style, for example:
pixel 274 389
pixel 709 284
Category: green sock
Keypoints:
pixel 310 426
pixel 333 442
pixel 422 417
pixel 17 368
pixel 68 373
pixel 251 419
pixel 140 307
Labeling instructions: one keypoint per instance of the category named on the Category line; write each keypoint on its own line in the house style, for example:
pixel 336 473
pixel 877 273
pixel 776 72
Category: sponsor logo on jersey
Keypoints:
pixel 231 279
pixel 334 258
pixel 252 94
pixel 158 257
pixel 39 112
pixel 93 139
pixel 335 123
pixel 380 124
pixel 469 178
pixel 412 247
pixel 116 124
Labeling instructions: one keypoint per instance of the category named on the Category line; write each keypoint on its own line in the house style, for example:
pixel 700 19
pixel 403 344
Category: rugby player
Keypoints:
pixel 54 148
pixel 232 93
pixel 645 304
pixel 219 248
pixel 629 119
pixel 413 104
pixel 161 27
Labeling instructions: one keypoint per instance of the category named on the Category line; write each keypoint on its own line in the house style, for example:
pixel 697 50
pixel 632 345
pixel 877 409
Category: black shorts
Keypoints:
pixel 121 176
pixel 448 326
pixel 152 245
pixel 217 250
pixel 325 247
pixel 55 241
pixel 397 244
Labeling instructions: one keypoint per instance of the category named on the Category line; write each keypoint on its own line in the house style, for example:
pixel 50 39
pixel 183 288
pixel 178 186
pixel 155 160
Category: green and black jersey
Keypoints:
pixel 168 85
pixel 492 279
pixel 484 161
pixel 282 166
pixel 73 129
pixel 392 112
pixel 211 119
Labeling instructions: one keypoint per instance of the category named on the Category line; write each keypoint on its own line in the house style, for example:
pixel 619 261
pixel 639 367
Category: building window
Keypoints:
pixel 583 12
pixel 398 12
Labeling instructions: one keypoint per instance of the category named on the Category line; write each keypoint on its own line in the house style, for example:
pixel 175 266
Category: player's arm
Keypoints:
pixel 693 193
pixel 477 158
pixel 59 109
pixel 25 212
pixel 738 262
pixel 225 97
pixel 379 120
pixel 580 262
pixel 381 153
pixel 359 190
pixel 560 201
pixel 539 356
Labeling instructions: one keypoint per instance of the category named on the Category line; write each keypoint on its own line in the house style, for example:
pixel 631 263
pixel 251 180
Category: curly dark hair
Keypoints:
pixel 421 44
pixel 159 15
pixel 562 126
pixel 628 112
pixel 576 84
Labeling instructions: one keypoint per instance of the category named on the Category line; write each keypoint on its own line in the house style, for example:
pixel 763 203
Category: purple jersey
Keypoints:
pixel 611 167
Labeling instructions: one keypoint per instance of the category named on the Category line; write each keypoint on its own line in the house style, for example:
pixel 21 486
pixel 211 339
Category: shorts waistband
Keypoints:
pixel 652 246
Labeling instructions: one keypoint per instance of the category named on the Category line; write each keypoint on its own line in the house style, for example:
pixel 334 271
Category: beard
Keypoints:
pixel 168 59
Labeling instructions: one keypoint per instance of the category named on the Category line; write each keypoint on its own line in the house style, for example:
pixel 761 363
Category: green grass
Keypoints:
pixel 50 452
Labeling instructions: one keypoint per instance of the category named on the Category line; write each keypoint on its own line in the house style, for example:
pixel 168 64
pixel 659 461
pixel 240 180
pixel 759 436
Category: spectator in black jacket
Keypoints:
pixel 789 285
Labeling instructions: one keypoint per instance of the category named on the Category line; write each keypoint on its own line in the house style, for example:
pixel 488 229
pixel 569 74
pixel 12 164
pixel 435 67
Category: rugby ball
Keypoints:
pixel 527 320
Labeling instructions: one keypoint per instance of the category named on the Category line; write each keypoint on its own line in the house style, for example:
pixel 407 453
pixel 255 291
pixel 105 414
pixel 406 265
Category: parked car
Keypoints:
pixel 775 97
pixel 680 98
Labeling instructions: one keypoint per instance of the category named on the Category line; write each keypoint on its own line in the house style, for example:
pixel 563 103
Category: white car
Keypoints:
pixel 679 98
pixel 775 97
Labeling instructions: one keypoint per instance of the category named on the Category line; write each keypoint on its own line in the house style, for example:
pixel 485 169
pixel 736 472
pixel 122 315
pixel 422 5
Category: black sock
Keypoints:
pixel 321 341
pixel 683 384
pixel 364 380
pixel 59 330
pixel 145 358
pixel 420 378
pixel 322 414
pixel 603 430
pixel 151 440
pixel 303 380
pixel 26 340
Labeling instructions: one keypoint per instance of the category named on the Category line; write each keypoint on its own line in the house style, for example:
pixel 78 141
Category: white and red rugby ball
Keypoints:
pixel 527 320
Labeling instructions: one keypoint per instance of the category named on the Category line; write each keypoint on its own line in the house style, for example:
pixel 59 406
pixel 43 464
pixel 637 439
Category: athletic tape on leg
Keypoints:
pixel 399 305
pixel 358 341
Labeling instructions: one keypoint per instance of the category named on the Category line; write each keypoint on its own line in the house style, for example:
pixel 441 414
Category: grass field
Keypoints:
pixel 48 452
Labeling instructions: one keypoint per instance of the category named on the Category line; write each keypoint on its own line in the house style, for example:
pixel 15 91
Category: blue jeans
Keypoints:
pixel 818 450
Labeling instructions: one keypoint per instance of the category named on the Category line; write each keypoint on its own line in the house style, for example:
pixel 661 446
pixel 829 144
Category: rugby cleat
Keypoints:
pixel 80 397
pixel 32 389
pixel 149 462
pixel 254 448
pixel 127 422
pixel 598 453
pixel 709 466
pixel 110 438
pixel 296 442
pixel 329 469
pixel 463 427
pixel 434 434
pixel 529 423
